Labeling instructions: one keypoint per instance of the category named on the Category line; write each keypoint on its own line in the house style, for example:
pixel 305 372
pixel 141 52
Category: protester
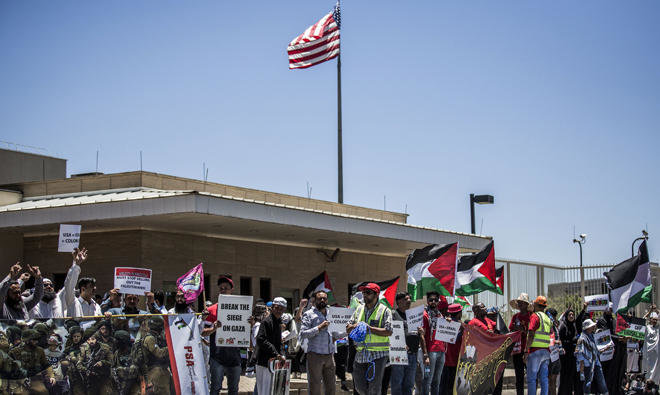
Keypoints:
pixel 85 305
pixel 320 346
pixel 455 312
pixel 14 305
pixel 158 303
pixel 224 361
pixel 555 366
pixel 436 349
pixel 651 348
pixel 588 357
pixel 53 304
pixel 373 353
pixel 538 343
pixel 520 323
pixel 614 369
pixel 480 319
pixel 269 344
pixel 569 382
pixel 402 379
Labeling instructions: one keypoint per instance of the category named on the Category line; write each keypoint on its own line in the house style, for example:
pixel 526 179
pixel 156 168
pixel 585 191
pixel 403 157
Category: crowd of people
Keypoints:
pixel 71 341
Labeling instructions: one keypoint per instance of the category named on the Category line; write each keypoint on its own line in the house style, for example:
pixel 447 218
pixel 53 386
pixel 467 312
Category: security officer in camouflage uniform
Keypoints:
pixel 33 360
pixel 72 353
pixel 11 372
pixel 125 372
pixel 44 333
pixel 94 365
pixel 14 336
pixel 158 378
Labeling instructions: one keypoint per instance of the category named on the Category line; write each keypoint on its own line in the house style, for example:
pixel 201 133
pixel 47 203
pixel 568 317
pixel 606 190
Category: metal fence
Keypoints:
pixel 561 285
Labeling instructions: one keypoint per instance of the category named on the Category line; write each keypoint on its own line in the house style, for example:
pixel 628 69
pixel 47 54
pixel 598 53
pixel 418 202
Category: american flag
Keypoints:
pixel 320 42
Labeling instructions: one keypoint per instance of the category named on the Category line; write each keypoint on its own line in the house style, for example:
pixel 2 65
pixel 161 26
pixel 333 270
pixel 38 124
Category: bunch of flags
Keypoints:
pixel 439 268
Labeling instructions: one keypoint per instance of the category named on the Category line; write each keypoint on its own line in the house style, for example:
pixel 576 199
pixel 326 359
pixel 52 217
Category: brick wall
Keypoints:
pixel 169 255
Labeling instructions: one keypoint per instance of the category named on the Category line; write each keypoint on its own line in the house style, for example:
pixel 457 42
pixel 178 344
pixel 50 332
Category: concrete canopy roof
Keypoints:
pixel 214 215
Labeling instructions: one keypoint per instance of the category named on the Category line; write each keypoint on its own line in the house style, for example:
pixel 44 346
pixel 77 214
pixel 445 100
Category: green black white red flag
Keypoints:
pixel 319 283
pixel 387 291
pixel 630 281
pixel 432 268
pixel 476 273
pixel 499 280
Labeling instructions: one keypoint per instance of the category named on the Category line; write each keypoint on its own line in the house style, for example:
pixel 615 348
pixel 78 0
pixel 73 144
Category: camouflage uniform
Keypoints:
pixel 33 360
pixel 125 372
pixel 10 370
pixel 76 382
pixel 94 365
pixel 158 378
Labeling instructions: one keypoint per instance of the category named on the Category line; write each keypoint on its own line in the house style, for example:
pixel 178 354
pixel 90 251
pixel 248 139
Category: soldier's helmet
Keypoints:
pixel 30 334
pixel 122 337
pixel 156 324
pixel 13 333
pixel 42 329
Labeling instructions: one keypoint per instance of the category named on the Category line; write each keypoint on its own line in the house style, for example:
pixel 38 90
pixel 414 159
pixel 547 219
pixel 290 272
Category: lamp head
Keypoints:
pixel 583 236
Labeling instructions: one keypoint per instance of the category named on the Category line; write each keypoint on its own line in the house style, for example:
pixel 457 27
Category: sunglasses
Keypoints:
pixel 432 300
pixel 368 292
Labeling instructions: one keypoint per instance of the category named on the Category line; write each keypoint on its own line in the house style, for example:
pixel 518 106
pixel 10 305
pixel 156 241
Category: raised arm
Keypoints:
pixel 67 294
pixel 14 273
pixel 33 300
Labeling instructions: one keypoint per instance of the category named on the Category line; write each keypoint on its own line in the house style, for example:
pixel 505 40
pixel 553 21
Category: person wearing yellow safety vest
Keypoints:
pixel 373 353
pixel 538 344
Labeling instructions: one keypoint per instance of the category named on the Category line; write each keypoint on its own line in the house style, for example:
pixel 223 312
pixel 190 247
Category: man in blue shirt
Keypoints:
pixel 320 346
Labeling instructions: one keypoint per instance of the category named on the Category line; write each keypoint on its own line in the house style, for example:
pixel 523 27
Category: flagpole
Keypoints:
pixel 340 169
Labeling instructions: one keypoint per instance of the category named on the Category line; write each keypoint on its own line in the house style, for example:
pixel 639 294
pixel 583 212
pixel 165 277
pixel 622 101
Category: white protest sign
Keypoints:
pixel 338 317
pixel 597 302
pixel 446 331
pixel 69 238
pixel 554 352
pixel 233 314
pixel 398 354
pixel 414 318
pixel 132 280
pixel 604 340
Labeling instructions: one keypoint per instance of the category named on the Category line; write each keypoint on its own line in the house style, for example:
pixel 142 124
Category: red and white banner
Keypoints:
pixel 183 334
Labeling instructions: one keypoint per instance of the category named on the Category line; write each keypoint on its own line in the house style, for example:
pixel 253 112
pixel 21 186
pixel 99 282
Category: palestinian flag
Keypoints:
pixel 630 281
pixel 387 292
pixel 319 283
pixel 463 301
pixel 499 280
pixel 634 327
pixel 432 268
pixel 476 273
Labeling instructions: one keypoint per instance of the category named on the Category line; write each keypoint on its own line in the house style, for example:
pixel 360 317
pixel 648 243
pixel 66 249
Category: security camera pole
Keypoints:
pixel 582 240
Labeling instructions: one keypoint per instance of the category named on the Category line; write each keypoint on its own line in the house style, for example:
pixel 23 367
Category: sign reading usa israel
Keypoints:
pixel 233 314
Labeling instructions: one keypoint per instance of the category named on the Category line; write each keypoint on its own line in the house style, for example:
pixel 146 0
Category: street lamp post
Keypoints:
pixel 644 237
pixel 582 240
pixel 478 199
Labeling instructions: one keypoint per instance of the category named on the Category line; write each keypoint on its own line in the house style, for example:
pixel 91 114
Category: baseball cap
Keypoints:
pixel 279 301
pixel 370 286
pixel 541 301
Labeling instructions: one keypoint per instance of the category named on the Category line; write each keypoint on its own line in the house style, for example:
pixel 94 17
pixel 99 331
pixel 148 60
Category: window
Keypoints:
pixel 264 289
pixel 246 285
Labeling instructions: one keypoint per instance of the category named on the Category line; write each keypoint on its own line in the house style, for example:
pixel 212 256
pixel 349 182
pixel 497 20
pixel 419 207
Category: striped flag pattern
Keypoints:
pixel 317 44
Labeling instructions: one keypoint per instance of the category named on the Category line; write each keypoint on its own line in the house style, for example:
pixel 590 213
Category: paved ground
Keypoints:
pixel 299 386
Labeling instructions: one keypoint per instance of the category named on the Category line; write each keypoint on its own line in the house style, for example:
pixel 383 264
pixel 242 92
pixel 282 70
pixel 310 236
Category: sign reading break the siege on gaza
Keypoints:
pixel 233 314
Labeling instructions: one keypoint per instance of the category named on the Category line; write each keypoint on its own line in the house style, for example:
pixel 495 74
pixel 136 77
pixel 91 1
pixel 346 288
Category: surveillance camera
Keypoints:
pixel 583 236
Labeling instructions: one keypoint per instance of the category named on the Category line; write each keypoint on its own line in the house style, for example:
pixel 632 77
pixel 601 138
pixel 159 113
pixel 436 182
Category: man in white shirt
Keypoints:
pixel 85 305
pixel 54 305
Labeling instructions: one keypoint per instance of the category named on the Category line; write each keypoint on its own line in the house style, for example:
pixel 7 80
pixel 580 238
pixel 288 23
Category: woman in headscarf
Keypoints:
pixel 651 344
pixel 568 335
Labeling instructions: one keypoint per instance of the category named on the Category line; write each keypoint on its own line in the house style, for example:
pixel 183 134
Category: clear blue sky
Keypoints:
pixel 553 107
